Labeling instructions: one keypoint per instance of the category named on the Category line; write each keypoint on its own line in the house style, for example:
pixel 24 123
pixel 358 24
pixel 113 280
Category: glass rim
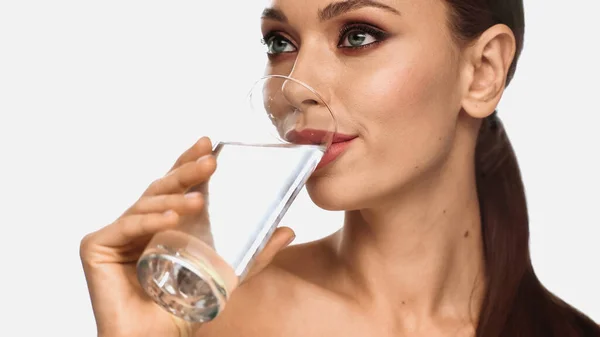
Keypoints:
pixel 306 86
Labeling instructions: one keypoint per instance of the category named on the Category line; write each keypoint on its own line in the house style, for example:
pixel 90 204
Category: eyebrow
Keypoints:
pixel 338 8
pixel 332 10
pixel 274 14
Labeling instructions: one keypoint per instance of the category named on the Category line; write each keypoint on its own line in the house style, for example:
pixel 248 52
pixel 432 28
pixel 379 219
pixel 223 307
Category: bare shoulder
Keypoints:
pixel 279 300
pixel 311 261
pixel 254 306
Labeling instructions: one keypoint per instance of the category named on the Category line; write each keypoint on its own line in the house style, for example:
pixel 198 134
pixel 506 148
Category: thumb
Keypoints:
pixel 281 238
pixel 185 328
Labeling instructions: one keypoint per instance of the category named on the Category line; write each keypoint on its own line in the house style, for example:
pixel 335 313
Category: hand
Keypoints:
pixel 109 255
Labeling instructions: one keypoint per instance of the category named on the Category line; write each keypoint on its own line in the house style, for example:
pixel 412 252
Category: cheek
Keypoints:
pixel 407 98
pixel 405 107
pixel 419 88
pixel 406 111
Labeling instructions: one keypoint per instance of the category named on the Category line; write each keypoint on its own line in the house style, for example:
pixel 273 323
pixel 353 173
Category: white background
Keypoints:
pixel 97 98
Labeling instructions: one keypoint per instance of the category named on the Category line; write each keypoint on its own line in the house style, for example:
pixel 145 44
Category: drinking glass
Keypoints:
pixel 192 270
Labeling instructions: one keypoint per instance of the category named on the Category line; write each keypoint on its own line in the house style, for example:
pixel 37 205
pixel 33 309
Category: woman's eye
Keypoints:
pixel 357 39
pixel 360 36
pixel 277 44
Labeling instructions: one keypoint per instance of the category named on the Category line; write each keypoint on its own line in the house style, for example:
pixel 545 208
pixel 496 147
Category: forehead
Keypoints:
pixel 323 10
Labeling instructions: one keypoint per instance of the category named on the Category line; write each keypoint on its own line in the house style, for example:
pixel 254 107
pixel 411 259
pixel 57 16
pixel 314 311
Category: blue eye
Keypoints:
pixel 360 35
pixel 357 39
pixel 277 44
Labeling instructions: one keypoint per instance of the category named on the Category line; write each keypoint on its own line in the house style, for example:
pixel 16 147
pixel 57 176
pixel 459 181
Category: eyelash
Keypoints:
pixel 376 33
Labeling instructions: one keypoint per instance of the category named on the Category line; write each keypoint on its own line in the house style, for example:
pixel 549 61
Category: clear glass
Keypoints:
pixel 191 271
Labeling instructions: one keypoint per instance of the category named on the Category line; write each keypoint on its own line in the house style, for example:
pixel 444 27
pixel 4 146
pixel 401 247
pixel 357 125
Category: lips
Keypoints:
pixel 340 142
pixel 316 137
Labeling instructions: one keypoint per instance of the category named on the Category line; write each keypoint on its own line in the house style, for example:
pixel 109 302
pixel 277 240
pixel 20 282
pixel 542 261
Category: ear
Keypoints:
pixel 488 62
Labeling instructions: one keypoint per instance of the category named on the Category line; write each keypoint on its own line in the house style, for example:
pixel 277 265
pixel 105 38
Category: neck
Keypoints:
pixel 419 253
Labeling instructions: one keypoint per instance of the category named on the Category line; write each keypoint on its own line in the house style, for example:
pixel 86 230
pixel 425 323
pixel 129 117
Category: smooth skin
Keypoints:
pixel 409 258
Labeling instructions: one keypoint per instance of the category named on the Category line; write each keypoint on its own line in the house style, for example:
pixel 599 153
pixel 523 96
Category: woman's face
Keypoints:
pixel 390 72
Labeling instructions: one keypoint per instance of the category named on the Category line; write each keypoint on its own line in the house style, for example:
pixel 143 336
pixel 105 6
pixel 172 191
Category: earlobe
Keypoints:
pixel 490 58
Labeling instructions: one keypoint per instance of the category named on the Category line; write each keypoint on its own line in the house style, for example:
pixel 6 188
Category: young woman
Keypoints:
pixel 435 237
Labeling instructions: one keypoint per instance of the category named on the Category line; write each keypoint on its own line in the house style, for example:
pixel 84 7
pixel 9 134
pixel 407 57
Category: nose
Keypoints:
pixel 293 104
pixel 311 67
pixel 300 95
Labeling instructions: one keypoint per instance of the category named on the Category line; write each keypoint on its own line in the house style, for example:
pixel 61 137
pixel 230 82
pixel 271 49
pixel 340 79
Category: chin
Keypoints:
pixel 333 193
pixel 350 191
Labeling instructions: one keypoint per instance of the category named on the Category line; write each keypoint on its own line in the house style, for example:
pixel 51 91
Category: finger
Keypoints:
pixel 130 228
pixel 179 203
pixel 202 147
pixel 185 328
pixel 281 238
pixel 184 177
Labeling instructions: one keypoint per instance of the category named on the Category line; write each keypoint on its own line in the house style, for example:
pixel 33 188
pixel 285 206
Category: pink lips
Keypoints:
pixel 311 136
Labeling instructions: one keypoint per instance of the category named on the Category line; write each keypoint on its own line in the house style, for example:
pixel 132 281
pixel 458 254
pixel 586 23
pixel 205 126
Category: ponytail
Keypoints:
pixel 515 302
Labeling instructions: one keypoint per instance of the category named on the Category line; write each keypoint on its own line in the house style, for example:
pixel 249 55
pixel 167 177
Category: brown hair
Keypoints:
pixel 515 302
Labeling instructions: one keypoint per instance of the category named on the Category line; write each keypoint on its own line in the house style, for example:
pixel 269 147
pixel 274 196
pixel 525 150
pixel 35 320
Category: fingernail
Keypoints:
pixel 192 195
pixel 290 240
pixel 203 158
pixel 168 213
